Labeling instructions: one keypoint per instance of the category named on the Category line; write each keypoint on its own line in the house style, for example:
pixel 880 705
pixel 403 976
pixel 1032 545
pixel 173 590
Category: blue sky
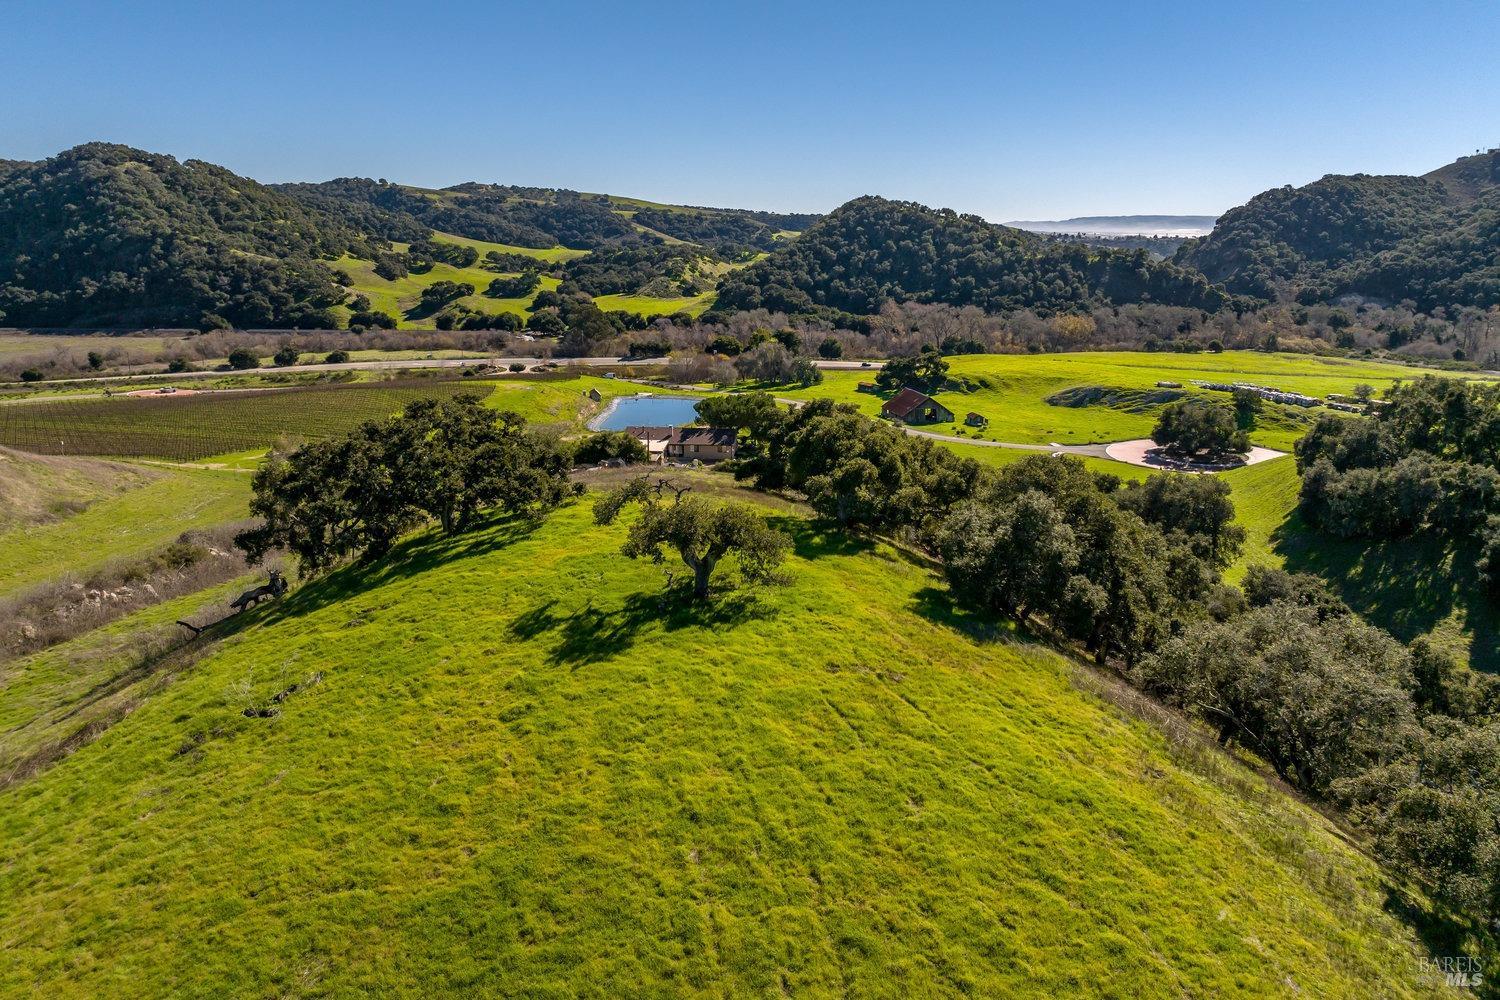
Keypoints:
pixel 1036 110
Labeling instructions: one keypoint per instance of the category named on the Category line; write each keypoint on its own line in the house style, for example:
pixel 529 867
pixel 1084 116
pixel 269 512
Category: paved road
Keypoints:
pixel 496 360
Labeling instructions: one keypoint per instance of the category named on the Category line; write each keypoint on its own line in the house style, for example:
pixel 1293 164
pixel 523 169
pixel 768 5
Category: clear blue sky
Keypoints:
pixel 1037 110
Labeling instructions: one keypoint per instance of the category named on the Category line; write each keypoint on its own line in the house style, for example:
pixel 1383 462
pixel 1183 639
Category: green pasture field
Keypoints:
pixel 401 298
pixel 550 254
pixel 189 427
pixel 139 520
pixel 647 305
pixel 1019 384
pixel 511 768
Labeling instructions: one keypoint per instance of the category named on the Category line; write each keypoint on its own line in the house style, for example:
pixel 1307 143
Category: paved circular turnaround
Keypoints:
pixel 1144 451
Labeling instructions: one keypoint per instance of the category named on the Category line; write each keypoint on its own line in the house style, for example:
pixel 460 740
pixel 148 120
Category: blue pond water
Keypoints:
pixel 648 411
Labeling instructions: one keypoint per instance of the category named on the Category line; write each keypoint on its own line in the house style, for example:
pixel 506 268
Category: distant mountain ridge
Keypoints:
pixel 538 217
pixel 104 235
pixel 871 251
pixel 1433 240
pixel 1123 225
pixel 109 236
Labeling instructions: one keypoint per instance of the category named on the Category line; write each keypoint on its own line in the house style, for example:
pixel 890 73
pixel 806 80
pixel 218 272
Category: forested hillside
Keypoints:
pixel 726 230
pixel 538 217
pixel 1433 240
pixel 108 235
pixel 499 213
pixel 105 235
pixel 872 251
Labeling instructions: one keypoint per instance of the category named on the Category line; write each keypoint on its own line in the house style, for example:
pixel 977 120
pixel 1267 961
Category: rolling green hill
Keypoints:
pixel 157 507
pixel 107 236
pixel 1433 239
pixel 401 297
pixel 507 768
pixel 1410 587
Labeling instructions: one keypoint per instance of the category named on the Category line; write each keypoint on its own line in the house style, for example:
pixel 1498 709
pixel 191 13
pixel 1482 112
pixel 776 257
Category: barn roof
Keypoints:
pixel 907 400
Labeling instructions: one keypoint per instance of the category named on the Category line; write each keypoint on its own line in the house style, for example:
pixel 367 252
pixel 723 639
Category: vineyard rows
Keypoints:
pixel 186 428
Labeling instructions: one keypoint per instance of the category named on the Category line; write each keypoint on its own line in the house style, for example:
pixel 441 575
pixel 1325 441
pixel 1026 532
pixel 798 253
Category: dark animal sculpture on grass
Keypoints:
pixel 255 595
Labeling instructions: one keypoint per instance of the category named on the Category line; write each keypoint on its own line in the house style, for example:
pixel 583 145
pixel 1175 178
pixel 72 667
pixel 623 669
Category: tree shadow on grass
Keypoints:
pixel 1405 586
pixel 592 634
pixel 815 540
pixel 422 552
pixel 1441 931
pixel 938 606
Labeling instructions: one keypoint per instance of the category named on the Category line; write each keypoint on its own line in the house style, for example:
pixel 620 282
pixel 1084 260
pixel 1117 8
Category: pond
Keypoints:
pixel 647 411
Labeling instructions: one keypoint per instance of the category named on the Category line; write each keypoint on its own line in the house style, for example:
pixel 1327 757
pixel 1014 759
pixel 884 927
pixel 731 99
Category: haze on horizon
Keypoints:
pixel 1006 111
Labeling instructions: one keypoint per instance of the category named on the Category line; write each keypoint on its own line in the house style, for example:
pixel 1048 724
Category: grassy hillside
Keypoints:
pixel 1265 496
pixel 133 522
pixel 1015 400
pixel 36 489
pixel 48 696
pixel 510 769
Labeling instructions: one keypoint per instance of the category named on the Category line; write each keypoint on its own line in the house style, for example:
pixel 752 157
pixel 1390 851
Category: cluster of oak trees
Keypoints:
pixel 443 460
pixel 105 235
pixel 1194 428
pixel 1427 463
pixel 1390 238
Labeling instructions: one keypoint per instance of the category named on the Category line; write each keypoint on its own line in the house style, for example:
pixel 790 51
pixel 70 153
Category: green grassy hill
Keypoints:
pixel 159 506
pixel 37 490
pixel 510 769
